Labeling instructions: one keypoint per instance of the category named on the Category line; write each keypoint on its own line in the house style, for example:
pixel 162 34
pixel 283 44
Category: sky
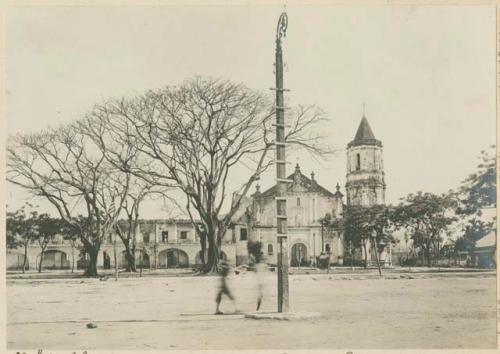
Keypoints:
pixel 425 73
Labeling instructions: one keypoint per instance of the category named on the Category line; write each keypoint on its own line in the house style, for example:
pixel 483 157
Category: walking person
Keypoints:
pixel 257 264
pixel 223 287
pixel 260 268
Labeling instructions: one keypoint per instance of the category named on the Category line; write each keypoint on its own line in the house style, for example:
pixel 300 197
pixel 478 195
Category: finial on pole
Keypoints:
pixel 364 109
pixel 282 26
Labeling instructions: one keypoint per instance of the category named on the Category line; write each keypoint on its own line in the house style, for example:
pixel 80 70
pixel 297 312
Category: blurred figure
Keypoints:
pixel 257 264
pixel 223 287
pixel 260 268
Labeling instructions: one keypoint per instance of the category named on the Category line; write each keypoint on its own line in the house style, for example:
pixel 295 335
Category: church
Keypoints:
pixel 308 203
pixel 175 244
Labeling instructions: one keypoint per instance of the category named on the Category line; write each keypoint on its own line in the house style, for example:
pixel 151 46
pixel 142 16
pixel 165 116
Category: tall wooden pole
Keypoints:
pixel 281 180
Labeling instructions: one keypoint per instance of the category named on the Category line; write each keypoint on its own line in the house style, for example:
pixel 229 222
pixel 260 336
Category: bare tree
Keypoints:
pixel 122 153
pixel 64 166
pixel 127 232
pixel 198 137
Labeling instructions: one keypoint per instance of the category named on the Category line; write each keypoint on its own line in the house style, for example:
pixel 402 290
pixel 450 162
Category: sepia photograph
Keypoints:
pixel 249 176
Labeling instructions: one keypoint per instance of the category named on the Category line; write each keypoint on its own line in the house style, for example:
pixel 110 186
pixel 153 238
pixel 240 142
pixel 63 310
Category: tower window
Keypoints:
pixel 298 202
pixel 358 162
pixel 270 249
pixel 243 234
pixel 164 236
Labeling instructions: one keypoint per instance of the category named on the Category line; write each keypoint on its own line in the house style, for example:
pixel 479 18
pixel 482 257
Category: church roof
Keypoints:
pixel 364 135
pixel 307 185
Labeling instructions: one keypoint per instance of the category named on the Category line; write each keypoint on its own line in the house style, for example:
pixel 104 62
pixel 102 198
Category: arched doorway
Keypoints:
pixel 298 255
pixel 198 257
pixel 54 259
pixel 173 258
pixel 142 260
pixel 139 255
pixel 106 261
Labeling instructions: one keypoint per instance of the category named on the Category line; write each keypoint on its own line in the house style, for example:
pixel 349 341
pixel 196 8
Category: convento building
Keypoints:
pixel 174 243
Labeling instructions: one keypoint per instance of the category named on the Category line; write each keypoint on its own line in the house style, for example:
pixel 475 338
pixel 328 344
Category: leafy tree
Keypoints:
pixel 22 229
pixel 12 238
pixel 70 233
pixel 326 226
pixel 368 225
pixel 427 216
pixel 479 190
pixel 474 230
pixel 48 228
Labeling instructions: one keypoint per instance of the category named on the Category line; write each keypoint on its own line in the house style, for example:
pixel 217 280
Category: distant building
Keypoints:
pixel 484 254
pixel 159 244
pixel 175 244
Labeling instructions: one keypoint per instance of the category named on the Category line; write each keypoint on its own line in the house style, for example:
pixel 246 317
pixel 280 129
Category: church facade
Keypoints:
pixel 308 203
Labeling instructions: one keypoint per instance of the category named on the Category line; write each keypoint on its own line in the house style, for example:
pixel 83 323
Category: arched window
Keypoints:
pixel 298 202
pixel 269 249
pixel 358 162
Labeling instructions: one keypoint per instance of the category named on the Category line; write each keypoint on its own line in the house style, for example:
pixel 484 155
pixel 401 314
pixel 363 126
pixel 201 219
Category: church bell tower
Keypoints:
pixel 365 170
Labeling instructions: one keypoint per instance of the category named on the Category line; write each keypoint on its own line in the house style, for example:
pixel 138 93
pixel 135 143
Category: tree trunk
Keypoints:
pixel 41 260
pixel 212 264
pixel 130 256
pixel 366 255
pixel 203 244
pixel 377 257
pixel 25 257
pixel 72 257
pixel 91 270
pixel 428 257
pixel 114 258
pixel 156 257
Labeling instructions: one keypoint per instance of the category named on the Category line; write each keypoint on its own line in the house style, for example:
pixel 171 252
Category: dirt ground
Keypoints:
pixel 438 311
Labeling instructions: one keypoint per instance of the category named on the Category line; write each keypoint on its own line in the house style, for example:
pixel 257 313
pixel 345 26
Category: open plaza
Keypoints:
pixel 251 178
pixel 357 310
